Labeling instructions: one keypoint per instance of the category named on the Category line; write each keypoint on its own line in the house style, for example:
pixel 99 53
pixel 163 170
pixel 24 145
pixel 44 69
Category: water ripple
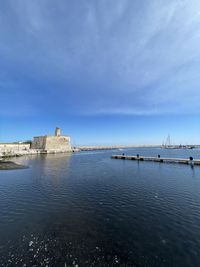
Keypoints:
pixel 89 210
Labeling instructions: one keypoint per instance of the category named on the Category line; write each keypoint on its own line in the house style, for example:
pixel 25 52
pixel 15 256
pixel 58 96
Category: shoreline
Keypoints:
pixel 19 153
pixel 10 165
pixel 16 152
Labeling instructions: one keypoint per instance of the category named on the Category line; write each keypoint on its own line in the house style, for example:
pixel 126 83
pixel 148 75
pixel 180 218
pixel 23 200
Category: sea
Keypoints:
pixel 86 209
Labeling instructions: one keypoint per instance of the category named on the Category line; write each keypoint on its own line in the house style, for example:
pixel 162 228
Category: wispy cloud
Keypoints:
pixel 103 57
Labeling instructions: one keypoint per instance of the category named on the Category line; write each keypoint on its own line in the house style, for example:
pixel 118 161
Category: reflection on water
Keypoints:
pixel 86 209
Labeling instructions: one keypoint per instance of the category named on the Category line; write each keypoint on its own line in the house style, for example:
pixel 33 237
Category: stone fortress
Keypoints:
pixel 40 145
pixel 49 144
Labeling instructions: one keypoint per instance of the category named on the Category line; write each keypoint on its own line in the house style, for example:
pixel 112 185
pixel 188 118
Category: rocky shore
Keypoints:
pixel 9 165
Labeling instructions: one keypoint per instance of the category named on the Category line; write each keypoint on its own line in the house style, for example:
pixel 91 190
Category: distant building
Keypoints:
pixel 56 143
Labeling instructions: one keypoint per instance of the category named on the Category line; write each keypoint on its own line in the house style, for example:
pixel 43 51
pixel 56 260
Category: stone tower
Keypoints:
pixel 52 143
pixel 57 131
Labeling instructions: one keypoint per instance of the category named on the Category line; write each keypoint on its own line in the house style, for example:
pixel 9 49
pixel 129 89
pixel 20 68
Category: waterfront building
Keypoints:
pixel 52 143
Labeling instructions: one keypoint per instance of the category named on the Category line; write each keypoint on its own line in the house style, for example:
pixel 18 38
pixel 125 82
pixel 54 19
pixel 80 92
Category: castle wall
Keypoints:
pixel 39 142
pixel 52 143
pixel 58 143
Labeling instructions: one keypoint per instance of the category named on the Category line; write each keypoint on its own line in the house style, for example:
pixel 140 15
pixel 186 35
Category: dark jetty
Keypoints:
pixel 9 165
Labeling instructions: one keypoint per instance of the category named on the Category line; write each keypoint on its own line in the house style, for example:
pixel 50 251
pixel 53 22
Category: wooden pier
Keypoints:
pixel 159 159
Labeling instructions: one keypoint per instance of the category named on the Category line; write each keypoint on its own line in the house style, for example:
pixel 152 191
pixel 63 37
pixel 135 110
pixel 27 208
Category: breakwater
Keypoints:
pixel 190 160
pixel 90 148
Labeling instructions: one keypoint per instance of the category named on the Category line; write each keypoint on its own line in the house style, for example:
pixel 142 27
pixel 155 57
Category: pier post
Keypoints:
pixel 191 161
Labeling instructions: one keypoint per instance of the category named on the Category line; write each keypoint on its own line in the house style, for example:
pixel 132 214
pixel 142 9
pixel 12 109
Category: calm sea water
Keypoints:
pixel 87 209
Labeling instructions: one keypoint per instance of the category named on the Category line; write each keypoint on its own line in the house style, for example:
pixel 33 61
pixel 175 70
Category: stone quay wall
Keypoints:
pixel 9 150
pixel 10 147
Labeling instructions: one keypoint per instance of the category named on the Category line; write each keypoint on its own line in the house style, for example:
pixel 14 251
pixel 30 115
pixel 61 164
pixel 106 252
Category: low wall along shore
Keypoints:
pixel 9 150
pixel 13 150
pixel 7 147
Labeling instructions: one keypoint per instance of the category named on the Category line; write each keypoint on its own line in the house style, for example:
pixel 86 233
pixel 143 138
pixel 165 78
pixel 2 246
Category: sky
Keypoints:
pixel 105 71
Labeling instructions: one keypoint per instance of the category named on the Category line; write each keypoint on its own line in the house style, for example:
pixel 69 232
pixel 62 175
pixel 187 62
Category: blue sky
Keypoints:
pixel 106 71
